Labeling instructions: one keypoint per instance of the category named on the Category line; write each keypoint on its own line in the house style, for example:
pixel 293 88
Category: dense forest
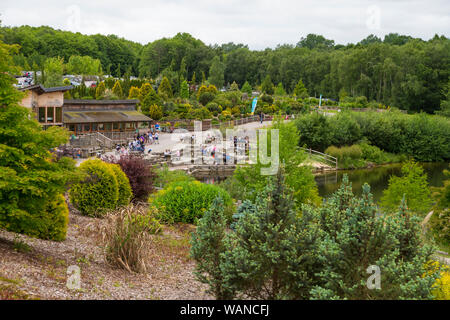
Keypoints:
pixel 398 71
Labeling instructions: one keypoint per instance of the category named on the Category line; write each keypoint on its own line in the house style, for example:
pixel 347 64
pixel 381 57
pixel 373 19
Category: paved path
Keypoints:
pixel 169 141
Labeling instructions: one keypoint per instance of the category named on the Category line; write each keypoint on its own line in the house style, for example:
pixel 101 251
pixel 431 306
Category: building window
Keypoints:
pixel 50 114
pixel 58 115
pixel 107 126
pixel 87 127
pixel 94 127
pixel 41 116
pixel 115 126
pixel 79 128
pixel 101 127
pixel 72 127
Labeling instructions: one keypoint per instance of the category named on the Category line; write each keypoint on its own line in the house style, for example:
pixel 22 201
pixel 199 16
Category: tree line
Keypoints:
pixel 398 71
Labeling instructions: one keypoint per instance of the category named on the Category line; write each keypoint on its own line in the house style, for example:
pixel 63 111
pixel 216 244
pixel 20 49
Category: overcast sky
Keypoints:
pixel 258 23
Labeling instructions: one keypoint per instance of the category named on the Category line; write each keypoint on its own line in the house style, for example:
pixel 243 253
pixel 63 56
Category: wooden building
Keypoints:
pixel 104 116
pixel 46 103
pixel 82 116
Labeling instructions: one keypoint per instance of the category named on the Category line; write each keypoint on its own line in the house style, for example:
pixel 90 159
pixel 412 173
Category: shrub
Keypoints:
pixel 186 201
pixel 98 192
pixel 347 156
pixel 125 193
pixel 126 236
pixel 412 185
pixel 139 172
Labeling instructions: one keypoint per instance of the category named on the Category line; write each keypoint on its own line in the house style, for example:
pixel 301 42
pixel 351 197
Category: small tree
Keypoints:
pixel 234 86
pixel 207 249
pixel 165 89
pixel 413 185
pixel 267 85
pixel 247 88
pixel 184 91
pixel 270 255
pixel 300 90
pixel 134 93
pixel 53 69
pixel 117 89
pixel 100 90
pixel 279 90
pixel 155 112
pixel 355 237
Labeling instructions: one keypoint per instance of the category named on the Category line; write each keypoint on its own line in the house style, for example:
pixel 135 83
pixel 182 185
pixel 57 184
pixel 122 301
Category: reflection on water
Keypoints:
pixel 377 178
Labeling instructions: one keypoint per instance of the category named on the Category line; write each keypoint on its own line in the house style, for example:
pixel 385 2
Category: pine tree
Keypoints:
pixel 117 89
pixel 208 246
pixel 300 90
pixel 355 236
pixel 267 85
pixel 270 254
pixel 100 90
pixel 165 89
pixel 184 92
pixel 216 72
pixel 247 88
pixel 279 90
pixel 234 86
pixel 118 71
pixel 193 80
pixel 155 112
pixel 203 78
pixel 134 93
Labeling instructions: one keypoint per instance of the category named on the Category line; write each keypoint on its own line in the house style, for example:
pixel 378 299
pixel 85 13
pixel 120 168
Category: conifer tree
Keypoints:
pixel 100 90
pixel 117 89
pixel 279 90
pixel 247 88
pixel 234 86
pixel 208 246
pixel 270 254
pixel 134 93
pixel 300 90
pixel 355 236
pixel 184 91
pixel 165 89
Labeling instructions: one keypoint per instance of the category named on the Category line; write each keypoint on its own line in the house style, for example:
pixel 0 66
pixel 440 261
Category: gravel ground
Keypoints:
pixel 38 268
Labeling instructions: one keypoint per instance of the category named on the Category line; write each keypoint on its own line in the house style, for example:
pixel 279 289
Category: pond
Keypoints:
pixel 377 178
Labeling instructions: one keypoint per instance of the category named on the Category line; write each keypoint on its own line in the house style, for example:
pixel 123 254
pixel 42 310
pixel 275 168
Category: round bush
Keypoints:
pixel 186 201
pixel 98 192
pixel 125 193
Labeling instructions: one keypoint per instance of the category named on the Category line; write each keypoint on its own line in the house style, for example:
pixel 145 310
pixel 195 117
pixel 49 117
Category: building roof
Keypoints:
pixel 41 89
pixel 89 101
pixel 103 116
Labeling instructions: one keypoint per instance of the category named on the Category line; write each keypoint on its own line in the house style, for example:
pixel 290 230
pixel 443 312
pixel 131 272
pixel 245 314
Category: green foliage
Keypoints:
pixel 98 192
pixel 216 72
pixel 83 65
pixel 412 185
pixel 117 89
pixel 246 87
pixel 207 248
pixel 347 156
pixel 270 254
pixel 298 177
pixel 164 176
pixel 267 86
pixel 300 91
pixel 279 90
pixel 100 90
pixel 354 236
pixel 155 112
pixel 165 89
pixel 125 193
pixel 425 137
pixel 53 69
pixel 32 181
pixel 134 93
pixel 186 201
pixel 184 91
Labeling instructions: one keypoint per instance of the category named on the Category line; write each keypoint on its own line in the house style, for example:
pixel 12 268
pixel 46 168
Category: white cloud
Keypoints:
pixel 259 24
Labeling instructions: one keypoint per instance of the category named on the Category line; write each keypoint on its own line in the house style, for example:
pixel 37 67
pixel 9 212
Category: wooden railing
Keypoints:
pixel 322 156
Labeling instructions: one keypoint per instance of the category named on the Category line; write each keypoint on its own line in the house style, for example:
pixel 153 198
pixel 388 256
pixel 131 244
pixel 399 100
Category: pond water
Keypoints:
pixel 377 178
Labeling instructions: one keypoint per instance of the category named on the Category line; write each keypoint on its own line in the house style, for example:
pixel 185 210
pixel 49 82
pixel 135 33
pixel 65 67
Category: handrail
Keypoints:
pixel 324 156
